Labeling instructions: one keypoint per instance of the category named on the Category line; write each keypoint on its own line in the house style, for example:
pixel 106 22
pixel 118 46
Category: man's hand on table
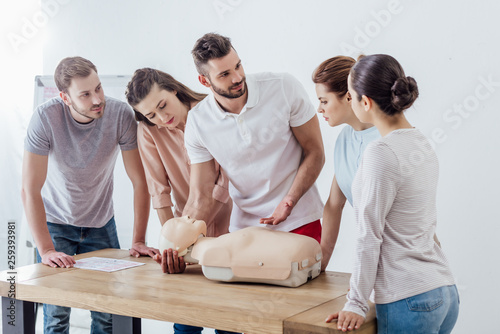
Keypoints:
pixel 58 259
pixel 346 321
pixel 140 248
pixel 170 262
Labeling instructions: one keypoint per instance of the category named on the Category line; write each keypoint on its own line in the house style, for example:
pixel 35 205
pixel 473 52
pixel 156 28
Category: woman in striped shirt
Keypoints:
pixel 394 195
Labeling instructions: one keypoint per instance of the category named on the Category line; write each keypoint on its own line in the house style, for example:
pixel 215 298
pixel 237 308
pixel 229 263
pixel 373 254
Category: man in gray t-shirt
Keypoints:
pixel 67 183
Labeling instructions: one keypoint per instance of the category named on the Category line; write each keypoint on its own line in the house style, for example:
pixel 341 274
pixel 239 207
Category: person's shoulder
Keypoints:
pixel 143 128
pixel 147 132
pixel 378 147
pixel 199 108
pixel 283 81
pixel 117 109
pixel 53 105
pixel 114 103
pixel 50 112
pixel 403 138
pixel 271 76
pixel 370 134
pixel 379 152
pixel 346 131
pixel 343 138
pixel 265 76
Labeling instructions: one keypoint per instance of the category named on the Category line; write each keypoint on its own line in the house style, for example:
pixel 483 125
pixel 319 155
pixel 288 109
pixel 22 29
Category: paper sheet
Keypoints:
pixel 105 264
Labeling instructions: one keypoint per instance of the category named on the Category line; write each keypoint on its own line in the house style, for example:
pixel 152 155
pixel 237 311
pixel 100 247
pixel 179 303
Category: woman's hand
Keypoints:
pixel 346 321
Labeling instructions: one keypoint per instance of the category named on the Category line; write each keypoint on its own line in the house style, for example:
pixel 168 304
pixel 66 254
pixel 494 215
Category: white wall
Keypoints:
pixel 450 47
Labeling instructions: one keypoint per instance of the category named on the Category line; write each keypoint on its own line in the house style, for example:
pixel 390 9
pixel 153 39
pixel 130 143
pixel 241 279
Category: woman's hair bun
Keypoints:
pixel 404 93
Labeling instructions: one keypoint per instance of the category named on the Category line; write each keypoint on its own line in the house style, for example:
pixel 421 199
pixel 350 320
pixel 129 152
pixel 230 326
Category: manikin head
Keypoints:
pixel 180 233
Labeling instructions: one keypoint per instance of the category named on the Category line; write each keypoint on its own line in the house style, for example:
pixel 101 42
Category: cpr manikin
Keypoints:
pixel 253 254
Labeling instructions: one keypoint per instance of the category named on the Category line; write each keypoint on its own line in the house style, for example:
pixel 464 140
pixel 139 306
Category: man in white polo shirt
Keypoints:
pixel 264 132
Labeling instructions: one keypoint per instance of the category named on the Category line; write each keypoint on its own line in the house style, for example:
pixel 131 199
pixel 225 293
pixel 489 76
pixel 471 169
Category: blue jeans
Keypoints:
pixel 432 312
pixel 187 329
pixel 76 240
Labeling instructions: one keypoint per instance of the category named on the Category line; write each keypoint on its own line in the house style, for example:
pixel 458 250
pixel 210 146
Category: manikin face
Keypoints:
pixel 85 98
pixel 163 108
pixel 336 110
pixel 226 76
pixel 180 233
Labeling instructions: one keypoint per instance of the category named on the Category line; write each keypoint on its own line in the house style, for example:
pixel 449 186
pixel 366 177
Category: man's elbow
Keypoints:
pixel 139 182
pixel 23 195
pixel 321 159
pixel 141 187
pixel 334 205
pixel 318 155
pixel 28 193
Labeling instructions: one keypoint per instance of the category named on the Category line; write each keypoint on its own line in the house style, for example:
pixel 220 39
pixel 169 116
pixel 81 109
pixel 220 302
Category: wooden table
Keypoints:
pixel 189 298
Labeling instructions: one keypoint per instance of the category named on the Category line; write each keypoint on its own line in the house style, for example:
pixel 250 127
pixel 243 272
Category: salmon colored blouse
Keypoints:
pixel 167 168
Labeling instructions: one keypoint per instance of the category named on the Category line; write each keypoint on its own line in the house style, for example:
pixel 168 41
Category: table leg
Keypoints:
pixel 18 316
pixel 126 325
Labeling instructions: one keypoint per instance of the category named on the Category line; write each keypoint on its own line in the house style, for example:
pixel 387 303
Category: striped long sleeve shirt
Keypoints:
pixel 394 195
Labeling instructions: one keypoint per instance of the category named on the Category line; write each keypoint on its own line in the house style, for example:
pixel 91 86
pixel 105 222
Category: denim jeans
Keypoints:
pixel 432 312
pixel 75 240
pixel 187 329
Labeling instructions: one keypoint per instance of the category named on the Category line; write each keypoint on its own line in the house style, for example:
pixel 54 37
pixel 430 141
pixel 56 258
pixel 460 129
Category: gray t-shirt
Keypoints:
pixel 79 186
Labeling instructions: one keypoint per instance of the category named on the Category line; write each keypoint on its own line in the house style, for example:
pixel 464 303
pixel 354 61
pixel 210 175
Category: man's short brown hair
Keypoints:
pixel 210 46
pixel 69 68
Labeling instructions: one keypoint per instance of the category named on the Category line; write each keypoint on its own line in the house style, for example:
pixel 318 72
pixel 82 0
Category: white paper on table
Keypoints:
pixel 105 264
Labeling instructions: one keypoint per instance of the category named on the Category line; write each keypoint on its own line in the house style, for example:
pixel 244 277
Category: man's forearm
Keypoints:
pixel 307 174
pixel 201 204
pixel 37 221
pixel 201 207
pixel 141 213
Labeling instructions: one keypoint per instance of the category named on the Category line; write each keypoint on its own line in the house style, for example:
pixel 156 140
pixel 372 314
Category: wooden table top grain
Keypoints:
pixel 189 298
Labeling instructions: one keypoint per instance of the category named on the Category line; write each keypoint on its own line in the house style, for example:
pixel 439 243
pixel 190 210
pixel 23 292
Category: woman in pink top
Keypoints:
pixel 161 105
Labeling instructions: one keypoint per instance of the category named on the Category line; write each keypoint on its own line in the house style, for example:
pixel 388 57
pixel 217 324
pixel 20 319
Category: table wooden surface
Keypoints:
pixel 189 298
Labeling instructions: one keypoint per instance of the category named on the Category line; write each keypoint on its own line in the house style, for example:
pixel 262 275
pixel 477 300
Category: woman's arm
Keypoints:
pixel 332 215
pixel 164 214
pixel 374 191
pixel 156 175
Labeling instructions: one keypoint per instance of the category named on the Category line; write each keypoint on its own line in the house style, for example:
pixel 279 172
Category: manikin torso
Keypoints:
pixel 253 254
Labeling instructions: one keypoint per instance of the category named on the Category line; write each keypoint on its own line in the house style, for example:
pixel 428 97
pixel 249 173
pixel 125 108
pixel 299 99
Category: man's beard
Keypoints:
pixel 228 94
pixel 89 113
